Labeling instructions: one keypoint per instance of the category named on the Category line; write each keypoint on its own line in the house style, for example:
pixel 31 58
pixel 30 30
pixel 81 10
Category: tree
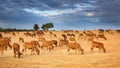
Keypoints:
pixel 36 27
pixel 47 26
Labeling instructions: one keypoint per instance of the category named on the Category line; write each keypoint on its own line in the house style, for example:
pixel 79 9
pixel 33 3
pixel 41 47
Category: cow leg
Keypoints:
pixel 37 51
pixel 25 51
pixel 80 49
pixel 85 38
pixel 52 47
pixel 32 51
pixel 105 38
pixel 68 50
pixel 19 54
pixel 14 53
pixel 59 44
pixel 92 48
pixel 100 50
pixel 49 49
pixel 2 52
pixel 55 44
pixel 75 51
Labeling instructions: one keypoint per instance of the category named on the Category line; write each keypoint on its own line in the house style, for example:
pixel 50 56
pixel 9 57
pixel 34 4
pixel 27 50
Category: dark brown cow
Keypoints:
pixel 118 31
pixel 1 36
pixel 64 36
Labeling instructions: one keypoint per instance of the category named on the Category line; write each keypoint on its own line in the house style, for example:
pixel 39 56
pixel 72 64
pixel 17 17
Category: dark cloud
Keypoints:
pixel 105 12
pixel 109 10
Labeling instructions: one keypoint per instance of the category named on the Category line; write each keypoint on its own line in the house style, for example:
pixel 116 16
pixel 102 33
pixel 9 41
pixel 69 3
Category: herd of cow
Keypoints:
pixel 67 38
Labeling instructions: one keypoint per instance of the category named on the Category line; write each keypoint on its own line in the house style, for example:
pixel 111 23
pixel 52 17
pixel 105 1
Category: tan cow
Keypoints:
pixel 99 45
pixel 33 46
pixel 75 46
pixel 47 44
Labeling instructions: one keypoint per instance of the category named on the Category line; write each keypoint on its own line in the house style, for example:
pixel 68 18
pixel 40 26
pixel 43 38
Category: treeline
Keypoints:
pixel 35 27
pixel 13 29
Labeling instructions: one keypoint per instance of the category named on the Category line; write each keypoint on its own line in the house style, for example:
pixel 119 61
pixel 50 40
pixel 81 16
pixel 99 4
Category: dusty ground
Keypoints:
pixel 60 58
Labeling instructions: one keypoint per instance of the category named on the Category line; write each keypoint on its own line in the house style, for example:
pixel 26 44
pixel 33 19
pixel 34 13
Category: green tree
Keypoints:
pixel 35 27
pixel 47 26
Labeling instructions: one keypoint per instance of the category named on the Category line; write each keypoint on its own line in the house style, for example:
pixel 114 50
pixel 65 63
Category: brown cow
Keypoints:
pixel 64 36
pixel 89 34
pixel 4 44
pixel 75 46
pixel 71 39
pixel 101 36
pixel 7 38
pixel 72 35
pixel 21 40
pixel 36 42
pixel 16 49
pixel 63 42
pixel 39 33
pixel 13 33
pixel 81 35
pixel 33 45
pixel 55 42
pixel 47 44
pixel 28 34
pixel 97 45
pixel 51 34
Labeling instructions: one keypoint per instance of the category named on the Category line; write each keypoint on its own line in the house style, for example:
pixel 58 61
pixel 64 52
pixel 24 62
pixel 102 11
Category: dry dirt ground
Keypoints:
pixel 60 58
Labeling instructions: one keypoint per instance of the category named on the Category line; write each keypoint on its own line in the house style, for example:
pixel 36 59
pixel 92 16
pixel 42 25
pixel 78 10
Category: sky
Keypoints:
pixel 64 14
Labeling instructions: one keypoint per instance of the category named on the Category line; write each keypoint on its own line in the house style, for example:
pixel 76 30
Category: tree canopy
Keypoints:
pixel 47 26
pixel 35 27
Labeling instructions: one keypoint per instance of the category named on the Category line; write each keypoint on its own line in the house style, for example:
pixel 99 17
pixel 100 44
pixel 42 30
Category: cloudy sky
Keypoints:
pixel 64 14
